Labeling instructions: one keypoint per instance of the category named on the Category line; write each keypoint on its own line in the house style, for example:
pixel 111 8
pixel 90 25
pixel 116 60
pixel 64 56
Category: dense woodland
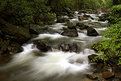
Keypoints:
pixel 16 17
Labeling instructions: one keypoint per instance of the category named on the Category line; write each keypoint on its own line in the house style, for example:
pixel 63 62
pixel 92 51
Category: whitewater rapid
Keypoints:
pixel 55 65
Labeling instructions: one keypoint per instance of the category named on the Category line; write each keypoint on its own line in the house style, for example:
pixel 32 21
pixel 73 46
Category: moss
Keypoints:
pixel 40 23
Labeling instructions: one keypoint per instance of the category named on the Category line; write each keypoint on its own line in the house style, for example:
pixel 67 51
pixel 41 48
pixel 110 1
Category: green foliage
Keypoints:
pixel 60 5
pixel 93 3
pixel 115 15
pixel 110 45
pixel 116 11
pixel 107 3
pixel 22 12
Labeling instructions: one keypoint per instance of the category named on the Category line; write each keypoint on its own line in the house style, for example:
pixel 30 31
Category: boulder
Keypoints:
pixel 108 72
pixel 14 48
pixel 71 32
pixel 103 17
pixel 74 47
pixel 36 29
pixel 71 25
pixel 81 26
pixel 41 45
pixel 64 47
pixel 9 47
pixel 92 76
pixel 92 32
pixel 99 68
pixel 14 33
pixel 80 18
pixel 83 11
pixel 61 19
pixel 87 16
pixel 108 75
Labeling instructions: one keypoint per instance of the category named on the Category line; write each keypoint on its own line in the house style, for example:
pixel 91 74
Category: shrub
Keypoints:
pixel 110 45
pixel 20 12
pixel 115 15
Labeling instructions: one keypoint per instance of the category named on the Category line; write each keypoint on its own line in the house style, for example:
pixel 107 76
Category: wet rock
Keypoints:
pixel 74 47
pixel 64 47
pixel 108 68
pixel 61 19
pixel 99 68
pixel 14 48
pixel 9 47
pixel 81 26
pixel 108 75
pixel 14 33
pixel 71 32
pixel 92 76
pixel 82 11
pixel 41 45
pixel 80 18
pixel 96 24
pixel 108 72
pixel 87 16
pixel 36 29
pixel 71 25
pixel 38 53
pixel 92 32
pixel 103 17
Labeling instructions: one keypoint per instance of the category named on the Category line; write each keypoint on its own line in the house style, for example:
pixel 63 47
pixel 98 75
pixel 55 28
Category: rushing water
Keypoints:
pixel 54 65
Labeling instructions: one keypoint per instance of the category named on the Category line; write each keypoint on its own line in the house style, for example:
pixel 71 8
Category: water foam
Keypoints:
pixel 54 63
pixel 51 36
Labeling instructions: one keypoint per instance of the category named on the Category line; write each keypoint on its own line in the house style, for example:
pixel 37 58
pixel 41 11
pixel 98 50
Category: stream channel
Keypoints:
pixel 56 65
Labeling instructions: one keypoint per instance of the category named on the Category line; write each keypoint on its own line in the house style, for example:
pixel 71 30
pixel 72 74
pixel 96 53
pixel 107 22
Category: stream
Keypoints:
pixel 55 65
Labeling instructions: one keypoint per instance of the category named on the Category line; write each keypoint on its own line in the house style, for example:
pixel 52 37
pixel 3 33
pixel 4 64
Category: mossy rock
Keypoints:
pixel 15 33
